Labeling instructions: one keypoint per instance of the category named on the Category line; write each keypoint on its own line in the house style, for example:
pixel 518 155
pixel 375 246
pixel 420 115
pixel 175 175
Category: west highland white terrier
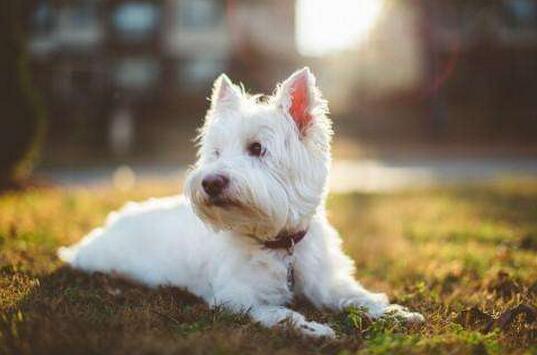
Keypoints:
pixel 251 230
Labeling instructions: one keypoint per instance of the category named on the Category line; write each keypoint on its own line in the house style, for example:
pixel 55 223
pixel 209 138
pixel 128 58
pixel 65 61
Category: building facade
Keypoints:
pixel 155 59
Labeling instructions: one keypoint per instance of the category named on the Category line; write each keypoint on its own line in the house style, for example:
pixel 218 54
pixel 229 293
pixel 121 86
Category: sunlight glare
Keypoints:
pixel 324 26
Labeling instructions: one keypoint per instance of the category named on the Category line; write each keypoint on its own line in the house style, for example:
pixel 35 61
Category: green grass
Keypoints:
pixel 439 251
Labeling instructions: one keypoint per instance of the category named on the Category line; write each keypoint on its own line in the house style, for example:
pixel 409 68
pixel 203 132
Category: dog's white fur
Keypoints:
pixel 217 252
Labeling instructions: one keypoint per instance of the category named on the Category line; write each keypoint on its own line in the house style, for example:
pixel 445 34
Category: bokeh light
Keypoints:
pixel 324 26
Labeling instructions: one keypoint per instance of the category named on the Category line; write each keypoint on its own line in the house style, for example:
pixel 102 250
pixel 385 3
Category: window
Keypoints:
pixel 136 21
pixel 521 14
pixel 197 73
pixel 42 19
pixel 200 14
pixel 79 16
pixel 136 73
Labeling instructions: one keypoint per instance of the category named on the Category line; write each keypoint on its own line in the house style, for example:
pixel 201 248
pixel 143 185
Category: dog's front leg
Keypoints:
pixel 270 316
pixel 239 296
pixel 347 292
pixel 338 291
pixel 327 279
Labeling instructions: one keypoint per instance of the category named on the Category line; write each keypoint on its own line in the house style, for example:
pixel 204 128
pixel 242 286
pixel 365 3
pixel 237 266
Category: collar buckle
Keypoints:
pixel 291 248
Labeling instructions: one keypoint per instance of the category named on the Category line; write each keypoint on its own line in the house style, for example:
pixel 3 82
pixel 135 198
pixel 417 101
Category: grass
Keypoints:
pixel 463 256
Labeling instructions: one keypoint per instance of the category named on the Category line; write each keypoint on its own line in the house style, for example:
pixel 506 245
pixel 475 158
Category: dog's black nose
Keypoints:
pixel 214 184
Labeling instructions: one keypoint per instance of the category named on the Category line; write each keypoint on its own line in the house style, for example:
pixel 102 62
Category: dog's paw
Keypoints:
pixel 404 314
pixel 318 330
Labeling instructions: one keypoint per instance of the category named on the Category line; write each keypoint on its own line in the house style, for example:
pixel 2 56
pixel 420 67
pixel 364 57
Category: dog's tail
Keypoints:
pixel 70 254
pixel 67 254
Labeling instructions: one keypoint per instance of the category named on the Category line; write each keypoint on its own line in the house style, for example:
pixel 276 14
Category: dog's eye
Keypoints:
pixel 255 149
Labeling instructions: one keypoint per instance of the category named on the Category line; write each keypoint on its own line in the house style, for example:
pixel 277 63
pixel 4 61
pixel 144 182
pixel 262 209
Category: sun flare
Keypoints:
pixel 324 26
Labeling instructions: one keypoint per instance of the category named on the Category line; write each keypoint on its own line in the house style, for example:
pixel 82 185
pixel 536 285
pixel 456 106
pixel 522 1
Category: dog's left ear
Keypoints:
pixel 299 97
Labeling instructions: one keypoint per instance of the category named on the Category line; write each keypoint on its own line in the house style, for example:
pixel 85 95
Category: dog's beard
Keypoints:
pixel 243 212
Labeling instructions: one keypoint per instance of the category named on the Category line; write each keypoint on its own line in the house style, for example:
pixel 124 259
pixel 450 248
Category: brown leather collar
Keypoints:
pixel 285 241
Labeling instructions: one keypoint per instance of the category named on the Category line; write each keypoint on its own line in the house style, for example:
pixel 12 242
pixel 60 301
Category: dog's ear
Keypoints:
pixel 225 94
pixel 299 97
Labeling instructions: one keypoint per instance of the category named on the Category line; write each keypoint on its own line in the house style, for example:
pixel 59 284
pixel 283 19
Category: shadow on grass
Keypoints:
pixel 71 312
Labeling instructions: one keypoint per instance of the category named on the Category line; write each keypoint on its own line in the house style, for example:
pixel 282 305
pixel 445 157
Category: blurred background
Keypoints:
pixel 419 91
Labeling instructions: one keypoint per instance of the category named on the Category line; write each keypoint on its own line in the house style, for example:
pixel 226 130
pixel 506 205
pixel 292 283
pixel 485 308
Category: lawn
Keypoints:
pixel 465 257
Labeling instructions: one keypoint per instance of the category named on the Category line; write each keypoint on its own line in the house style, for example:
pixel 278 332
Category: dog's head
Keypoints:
pixel 262 166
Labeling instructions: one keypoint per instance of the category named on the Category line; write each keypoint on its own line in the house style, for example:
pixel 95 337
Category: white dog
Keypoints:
pixel 252 230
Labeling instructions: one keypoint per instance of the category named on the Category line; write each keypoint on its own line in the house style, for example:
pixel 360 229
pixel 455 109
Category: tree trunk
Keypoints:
pixel 22 119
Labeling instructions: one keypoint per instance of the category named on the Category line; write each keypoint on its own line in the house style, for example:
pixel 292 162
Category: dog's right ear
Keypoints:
pixel 225 94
